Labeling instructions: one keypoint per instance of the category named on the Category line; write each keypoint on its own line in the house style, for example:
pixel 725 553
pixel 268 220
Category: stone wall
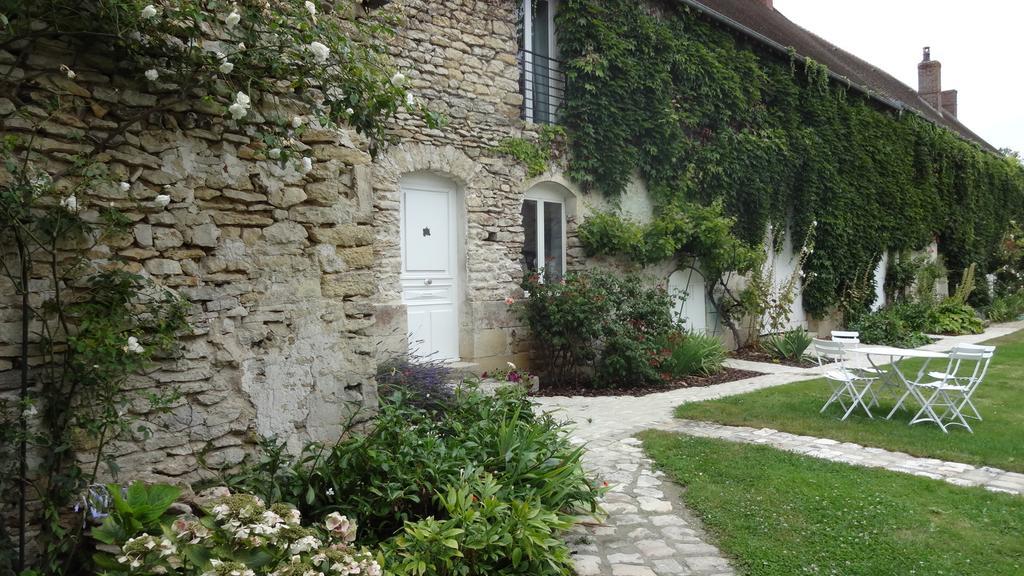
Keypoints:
pixel 462 61
pixel 276 264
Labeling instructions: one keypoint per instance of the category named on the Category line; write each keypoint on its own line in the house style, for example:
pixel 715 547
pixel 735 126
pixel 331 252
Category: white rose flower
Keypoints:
pixel 274 153
pixel 307 164
pixel 410 100
pixel 243 99
pixel 311 8
pixel 124 186
pixel 237 111
pixel 349 111
pixel 398 79
pixel 148 12
pixel 320 51
pixel 226 67
pixel 296 121
pixel 152 74
pixel 70 73
pixel 162 200
pixel 134 347
pixel 232 19
pixel 70 203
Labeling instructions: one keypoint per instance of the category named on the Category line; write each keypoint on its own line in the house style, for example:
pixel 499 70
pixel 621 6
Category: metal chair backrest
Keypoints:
pixel 968 363
pixel 846 336
pixel 830 351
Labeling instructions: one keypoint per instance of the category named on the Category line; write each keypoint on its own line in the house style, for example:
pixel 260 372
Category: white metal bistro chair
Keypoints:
pixel 848 387
pixel 853 339
pixel 953 389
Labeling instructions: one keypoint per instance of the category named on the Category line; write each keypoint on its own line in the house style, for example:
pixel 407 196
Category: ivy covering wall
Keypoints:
pixel 704 115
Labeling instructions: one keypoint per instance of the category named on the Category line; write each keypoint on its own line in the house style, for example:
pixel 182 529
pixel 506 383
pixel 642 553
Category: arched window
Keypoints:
pixel 544 214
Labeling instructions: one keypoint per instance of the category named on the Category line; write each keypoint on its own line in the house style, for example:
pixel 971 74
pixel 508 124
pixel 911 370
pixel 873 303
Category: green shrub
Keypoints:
pixel 598 328
pixel 693 354
pixel 914 314
pixel 1006 308
pixel 789 345
pixel 954 318
pixel 399 479
pixel 886 326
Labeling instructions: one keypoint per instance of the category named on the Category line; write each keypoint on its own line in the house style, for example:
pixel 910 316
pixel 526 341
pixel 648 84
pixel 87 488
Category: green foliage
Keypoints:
pixel 1006 308
pixel 139 510
pixel 789 345
pixel 888 326
pixel 704 114
pixel 693 354
pixel 481 533
pixel 902 272
pixel 954 318
pixel 410 476
pixel 535 155
pixel 597 327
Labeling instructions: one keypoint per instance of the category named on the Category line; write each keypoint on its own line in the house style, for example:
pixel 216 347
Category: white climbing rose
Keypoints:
pixel 162 200
pixel 307 164
pixel 233 18
pixel 311 8
pixel 398 79
pixel 124 186
pixel 274 153
pixel 148 12
pixel 320 52
pixel 152 74
pixel 70 203
pixel 226 67
pixel 296 121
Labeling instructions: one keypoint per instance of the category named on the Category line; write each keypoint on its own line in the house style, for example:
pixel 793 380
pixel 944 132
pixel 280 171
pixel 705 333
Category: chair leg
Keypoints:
pixel 967 402
pixel 927 408
pixel 957 418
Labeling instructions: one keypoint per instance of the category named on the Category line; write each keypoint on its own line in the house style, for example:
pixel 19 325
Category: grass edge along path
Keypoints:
pixel 794 408
pixel 781 514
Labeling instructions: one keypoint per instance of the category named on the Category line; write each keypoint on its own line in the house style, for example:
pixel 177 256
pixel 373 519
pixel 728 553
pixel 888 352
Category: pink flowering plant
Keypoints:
pixel 239 535
pixel 510 373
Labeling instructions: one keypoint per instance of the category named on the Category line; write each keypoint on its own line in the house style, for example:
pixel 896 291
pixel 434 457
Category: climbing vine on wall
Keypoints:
pixel 703 114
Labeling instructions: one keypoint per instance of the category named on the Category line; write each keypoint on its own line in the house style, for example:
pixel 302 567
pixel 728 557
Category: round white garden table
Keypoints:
pixel 895 377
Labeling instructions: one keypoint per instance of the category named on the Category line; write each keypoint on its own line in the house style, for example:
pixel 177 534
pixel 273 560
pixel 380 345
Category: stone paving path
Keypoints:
pixel 648 531
pixel 992 479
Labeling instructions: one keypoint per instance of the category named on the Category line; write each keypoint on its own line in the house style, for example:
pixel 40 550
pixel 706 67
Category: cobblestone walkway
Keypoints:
pixel 648 532
pixel 956 473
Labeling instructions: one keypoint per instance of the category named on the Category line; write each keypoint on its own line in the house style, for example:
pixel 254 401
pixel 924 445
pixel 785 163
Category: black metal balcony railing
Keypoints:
pixel 543 87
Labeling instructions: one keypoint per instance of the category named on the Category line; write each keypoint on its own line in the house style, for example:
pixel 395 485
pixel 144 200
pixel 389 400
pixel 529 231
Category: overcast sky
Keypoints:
pixel 979 44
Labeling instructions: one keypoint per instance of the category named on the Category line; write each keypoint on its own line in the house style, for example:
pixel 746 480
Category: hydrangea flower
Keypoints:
pixel 320 51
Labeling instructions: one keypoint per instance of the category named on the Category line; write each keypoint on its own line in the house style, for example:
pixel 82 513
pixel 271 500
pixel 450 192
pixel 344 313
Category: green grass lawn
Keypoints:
pixel 777 513
pixel 996 441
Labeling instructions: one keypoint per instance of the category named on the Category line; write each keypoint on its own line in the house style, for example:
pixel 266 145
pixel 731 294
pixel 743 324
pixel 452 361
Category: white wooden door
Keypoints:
pixel 430 280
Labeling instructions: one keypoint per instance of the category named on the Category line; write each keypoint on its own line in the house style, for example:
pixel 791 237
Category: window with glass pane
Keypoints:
pixel 530 231
pixel 544 237
pixel 554 262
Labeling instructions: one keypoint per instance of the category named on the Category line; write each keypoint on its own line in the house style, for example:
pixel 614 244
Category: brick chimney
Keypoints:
pixel 929 85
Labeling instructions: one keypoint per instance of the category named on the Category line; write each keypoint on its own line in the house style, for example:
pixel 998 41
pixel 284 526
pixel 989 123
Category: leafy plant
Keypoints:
pixel 1006 308
pixel 886 326
pixel 954 318
pixel 789 345
pixel 597 327
pixel 424 382
pixel 140 509
pixel 408 477
pixel 693 354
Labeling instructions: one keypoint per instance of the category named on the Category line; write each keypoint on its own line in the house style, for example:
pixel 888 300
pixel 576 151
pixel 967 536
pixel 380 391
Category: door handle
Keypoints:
pixel 428 281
